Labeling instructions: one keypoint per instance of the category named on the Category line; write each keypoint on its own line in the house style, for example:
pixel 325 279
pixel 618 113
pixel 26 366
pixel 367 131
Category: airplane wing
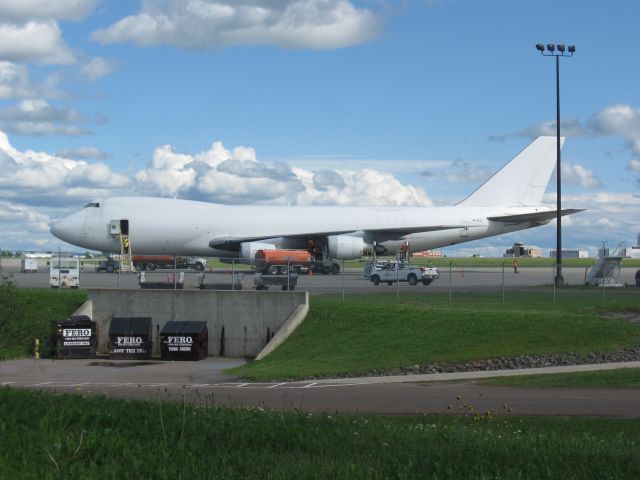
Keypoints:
pixel 379 234
pixel 541 217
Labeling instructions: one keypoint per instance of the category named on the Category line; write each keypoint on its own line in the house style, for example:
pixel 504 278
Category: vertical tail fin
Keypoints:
pixel 522 181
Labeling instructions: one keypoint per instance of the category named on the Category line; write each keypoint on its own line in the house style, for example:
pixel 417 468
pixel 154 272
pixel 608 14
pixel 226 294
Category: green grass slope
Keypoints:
pixel 49 436
pixel 367 332
pixel 26 314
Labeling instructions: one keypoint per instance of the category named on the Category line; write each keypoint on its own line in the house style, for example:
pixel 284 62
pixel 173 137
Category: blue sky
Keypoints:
pixel 314 102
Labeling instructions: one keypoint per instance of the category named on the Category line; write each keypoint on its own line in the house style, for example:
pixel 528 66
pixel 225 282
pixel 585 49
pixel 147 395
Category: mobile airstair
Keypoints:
pixel 120 229
pixel 606 271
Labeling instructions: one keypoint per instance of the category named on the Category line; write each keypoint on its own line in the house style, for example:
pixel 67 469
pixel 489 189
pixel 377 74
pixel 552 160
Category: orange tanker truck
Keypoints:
pixel 276 261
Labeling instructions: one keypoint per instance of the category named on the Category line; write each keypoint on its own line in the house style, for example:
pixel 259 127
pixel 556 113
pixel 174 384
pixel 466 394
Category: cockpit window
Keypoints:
pixel 92 204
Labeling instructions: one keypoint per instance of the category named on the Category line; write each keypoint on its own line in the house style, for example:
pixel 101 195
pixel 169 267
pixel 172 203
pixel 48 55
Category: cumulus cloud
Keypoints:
pixel 84 153
pixel 38 117
pixel 579 175
pixel 97 68
pixel 22 10
pixel 34 41
pixel 236 176
pixel 463 171
pixel 362 187
pixel 202 24
pixel 324 179
pixel 24 217
pixel 620 120
pixel 40 178
pixel 52 185
pixel 569 128
pixel 14 81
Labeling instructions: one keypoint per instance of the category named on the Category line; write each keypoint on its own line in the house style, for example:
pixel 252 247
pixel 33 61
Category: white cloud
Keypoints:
pixel 634 165
pixel 38 178
pixel 568 128
pixel 83 153
pixel 45 128
pixel 21 10
pixel 236 176
pixel 362 187
pixel 14 81
pixel 97 68
pixel 38 117
pixel 579 175
pixel 24 216
pixel 34 41
pixel 202 24
pixel 463 171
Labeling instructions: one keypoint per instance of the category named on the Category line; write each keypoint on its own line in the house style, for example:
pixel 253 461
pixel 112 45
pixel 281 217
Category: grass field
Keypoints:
pixel 619 378
pixel 369 332
pixel 50 436
pixel 26 314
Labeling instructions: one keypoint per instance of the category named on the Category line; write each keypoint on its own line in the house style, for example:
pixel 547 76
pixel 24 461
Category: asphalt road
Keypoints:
pixel 205 383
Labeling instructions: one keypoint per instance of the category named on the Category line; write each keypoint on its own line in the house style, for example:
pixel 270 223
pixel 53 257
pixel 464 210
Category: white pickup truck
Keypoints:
pixel 390 272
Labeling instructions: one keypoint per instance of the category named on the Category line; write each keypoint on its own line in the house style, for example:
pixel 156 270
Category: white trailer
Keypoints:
pixel 29 265
pixel 64 272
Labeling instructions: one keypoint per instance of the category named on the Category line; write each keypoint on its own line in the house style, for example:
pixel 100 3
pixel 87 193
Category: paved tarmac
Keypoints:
pixel 206 383
pixel 457 280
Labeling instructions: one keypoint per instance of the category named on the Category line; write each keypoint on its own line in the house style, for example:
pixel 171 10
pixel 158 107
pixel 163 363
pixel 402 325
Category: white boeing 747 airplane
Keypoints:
pixel 510 200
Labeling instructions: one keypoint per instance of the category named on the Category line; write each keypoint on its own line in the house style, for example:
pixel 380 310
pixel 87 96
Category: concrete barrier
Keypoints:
pixel 289 326
pixel 240 323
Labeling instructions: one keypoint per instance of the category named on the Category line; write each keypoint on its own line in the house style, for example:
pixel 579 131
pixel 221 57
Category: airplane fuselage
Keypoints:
pixel 185 227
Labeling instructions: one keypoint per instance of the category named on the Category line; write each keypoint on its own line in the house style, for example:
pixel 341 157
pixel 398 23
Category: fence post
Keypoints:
pixel 604 275
pixel 450 274
pixel 553 281
pixel 397 279
pixel 288 274
pixel 233 273
pixel 503 282
pixel 343 280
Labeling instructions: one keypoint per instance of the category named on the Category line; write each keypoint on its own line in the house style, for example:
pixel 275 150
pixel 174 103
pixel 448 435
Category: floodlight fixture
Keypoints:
pixel 540 47
pixel 572 49
pixel 560 48
pixel 551 47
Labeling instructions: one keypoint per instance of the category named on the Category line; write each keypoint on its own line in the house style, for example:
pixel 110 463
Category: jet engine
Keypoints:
pixel 344 247
pixel 248 250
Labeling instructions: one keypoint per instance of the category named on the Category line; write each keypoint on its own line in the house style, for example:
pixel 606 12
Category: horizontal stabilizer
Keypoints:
pixel 545 216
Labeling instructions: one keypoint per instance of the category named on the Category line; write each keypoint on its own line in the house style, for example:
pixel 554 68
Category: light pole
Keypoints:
pixel 557 51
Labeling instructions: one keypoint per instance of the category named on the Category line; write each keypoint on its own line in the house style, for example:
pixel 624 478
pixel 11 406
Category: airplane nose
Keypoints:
pixel 68 228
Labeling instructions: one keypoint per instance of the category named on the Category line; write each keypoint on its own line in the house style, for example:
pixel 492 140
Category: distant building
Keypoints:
pixel 520 250
pixel 428 254
pixel 570 254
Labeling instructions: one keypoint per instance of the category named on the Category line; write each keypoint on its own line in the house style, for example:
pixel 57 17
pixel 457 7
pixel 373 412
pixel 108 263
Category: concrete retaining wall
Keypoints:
pixel 240 323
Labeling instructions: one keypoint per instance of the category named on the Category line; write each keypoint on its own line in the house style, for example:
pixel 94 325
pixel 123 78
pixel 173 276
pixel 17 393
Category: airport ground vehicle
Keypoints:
pixel 391 272
pixel 64 272
pixel 272 262
pixel 299 261
pixel 29 265
pixel 151 262
pixel 108 265
pixel 285 281
pixel 280 268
